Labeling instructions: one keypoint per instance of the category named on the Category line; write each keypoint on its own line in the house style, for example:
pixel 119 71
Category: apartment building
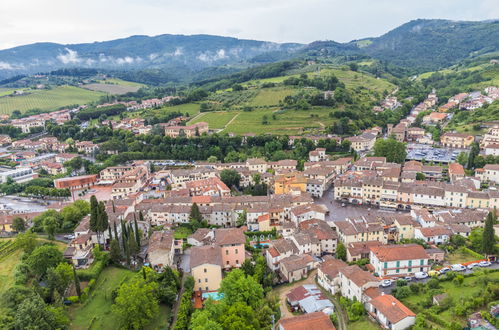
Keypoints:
pixel 399 260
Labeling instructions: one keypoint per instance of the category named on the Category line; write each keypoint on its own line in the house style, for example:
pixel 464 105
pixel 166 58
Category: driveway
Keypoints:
pixel 284 289
pixel 185 261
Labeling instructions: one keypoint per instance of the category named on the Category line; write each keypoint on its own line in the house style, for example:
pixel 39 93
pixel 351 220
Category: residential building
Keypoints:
pixel 206 267
pixel 457 140
pixel 391 313
pixel 161 250
pixel 315 321
pixel 187 131
pixel 399 260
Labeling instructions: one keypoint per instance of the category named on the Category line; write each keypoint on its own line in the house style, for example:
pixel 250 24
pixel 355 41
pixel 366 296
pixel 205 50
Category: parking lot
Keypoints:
pixel 437 155
pixel 388 290
pixel 337 212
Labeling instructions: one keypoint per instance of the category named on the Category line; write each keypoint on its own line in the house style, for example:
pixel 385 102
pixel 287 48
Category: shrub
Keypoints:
pixel 433 283
pixel 73 299
pixel 93 272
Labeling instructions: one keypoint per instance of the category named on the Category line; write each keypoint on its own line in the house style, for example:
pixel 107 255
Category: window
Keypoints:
pixel 205 270
pixel 227 262
pixel 386 265
pixel 398 265
pixel 236 251
pixel 226 252
pixel 237 262
pixel 421 262
pixel 199 280
pixel 206 280
pixel 410 263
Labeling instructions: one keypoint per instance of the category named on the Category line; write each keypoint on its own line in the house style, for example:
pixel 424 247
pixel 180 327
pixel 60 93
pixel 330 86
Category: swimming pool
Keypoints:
pixel 262 245
pixel 212 295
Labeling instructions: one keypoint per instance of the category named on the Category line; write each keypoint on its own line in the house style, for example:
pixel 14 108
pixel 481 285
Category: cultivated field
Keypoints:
pixel 215 120
pixel 111 88
pixel 48 99
pixel 271 96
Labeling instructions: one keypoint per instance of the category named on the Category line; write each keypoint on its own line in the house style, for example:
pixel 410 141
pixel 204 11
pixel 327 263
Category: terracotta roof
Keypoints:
pixel 435 231
pixel 315 321
pixel 160 240
pixel 357 275
pixel 399 252
pixel 456 169
pixel 209 254
pixel 295 262
pixel 331 267
pixel 391 308
pixel 225 236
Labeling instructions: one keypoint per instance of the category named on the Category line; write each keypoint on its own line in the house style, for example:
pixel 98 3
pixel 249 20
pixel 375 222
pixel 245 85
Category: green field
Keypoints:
pixel 117 81
pixel 9 261
pixel 470 288
pixel 287 122
pixel 98 305
pixel 271 96
pixel 6 91
pixel 191 108
pixel 48 99
pixel 215 120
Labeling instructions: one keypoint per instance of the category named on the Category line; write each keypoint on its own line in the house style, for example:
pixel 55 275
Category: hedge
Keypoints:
pixel 472 253
pixel 93 272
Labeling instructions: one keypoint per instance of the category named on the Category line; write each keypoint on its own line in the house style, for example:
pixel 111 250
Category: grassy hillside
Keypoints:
pixel 48 99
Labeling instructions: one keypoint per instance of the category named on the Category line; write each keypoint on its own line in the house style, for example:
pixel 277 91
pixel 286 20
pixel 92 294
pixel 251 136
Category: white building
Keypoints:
pixel 399 260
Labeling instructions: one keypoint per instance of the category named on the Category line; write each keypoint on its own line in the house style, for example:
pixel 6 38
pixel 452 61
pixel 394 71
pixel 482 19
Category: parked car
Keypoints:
pixel 473 265
pixel 433 273
pixel 386 283
pixel 421 275
pixel 408 278
pixel 484 263
pixel 458 268
pixel 444 270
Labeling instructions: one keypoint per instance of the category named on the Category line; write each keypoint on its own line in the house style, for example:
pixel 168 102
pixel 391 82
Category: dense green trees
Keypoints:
pixel 230 177
pixel 65 221
pixel 136 303
pixel 341 252
pixel 390 148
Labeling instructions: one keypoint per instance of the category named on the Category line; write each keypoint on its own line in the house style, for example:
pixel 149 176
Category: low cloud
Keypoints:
pixel 70 57
pixel 6 66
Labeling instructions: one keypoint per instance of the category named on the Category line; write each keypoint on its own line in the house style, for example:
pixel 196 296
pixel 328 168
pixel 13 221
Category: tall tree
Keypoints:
pixel 76 282
pixel 94 213
pixel 102 218
pixel 141 216
pixel 137 233
pixel 115 231
pixel 114 251
pixel 136 303
pixel 341 252
pixel 132 246
pixel 390 148
pixel 488 238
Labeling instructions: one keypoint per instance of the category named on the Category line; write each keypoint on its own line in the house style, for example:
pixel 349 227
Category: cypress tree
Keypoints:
pixel 115 231
pixel 76 282
pixel 132 246
pixel 103 222
pixel 488 238
pixel 114 251
pixel 110 233
pixel 94 213
pixel 137 234
pixel 123 237
pixel 141 216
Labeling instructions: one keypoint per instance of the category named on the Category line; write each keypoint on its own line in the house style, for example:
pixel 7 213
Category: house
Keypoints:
pixel 288 182
pixel 456 172
pixel 317 155
pixel 354 281
pixel 200 237
pixel 79 250
pixel 490 173
pixel 363 142
pixel 296 267
pixel 206 267
pixel 360 250
pixel 391 313
pixel 187 131
pixel 321 232
pixel 457 140
pixel 161 250
pixel 399 260
pixel 434 235
pixel 436 254
pixel 315 321
pixel 309 299
pixel 327 274
pixel 231 241
pixel 279 249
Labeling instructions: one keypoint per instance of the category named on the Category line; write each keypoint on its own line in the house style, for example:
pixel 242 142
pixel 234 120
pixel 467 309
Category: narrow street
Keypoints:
pixel 179 299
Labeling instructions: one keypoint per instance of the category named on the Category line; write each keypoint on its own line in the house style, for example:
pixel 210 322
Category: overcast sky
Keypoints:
pixel 76 21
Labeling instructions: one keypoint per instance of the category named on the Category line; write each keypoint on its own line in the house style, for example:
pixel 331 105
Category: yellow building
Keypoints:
pixel 285 183
pixel 457 140
pixel 206 267
pixel 477 200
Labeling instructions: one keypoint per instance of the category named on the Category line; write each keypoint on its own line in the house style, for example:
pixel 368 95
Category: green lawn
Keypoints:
pixel 48 99
pixel 182 232
pixel 364 324
pixel 98 305
pixel 215 120
pixel 458 257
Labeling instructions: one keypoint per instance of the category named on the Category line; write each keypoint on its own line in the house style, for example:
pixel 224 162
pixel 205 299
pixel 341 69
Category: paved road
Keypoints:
pixel 283 290
pixel 388 290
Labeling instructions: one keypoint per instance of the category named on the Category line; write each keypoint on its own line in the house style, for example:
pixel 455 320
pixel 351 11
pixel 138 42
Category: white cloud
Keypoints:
pixel 70 57
pixel 6 66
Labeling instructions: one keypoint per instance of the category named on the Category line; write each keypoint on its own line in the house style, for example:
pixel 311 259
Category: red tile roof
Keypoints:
pixel 315 321
pixel 391 308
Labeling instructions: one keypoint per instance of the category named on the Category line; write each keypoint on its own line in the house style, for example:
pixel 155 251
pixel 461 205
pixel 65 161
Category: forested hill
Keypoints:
pixel 433 44
pixel 415 47
pixel 167 51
